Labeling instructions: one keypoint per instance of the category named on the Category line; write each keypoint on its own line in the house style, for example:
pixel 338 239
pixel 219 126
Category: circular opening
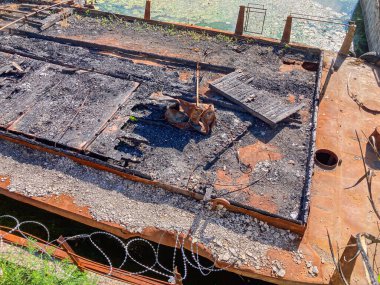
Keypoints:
pixel 326 159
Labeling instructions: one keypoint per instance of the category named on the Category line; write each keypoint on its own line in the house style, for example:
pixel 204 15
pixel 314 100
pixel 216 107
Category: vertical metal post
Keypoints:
pixel 66 247
pixel 177 277
pixel 287 30
pixel 147 10
pixel 345 49
pixel 240 21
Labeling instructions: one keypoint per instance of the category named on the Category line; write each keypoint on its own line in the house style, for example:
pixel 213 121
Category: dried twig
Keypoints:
pixel 361 242
pixel 197 101
pixel 336 263
pixel 245 187
pixel 368 179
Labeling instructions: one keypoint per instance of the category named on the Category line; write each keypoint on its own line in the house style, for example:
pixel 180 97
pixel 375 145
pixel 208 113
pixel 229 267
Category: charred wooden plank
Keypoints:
pixel 69 109
pixel 54 18
pixel 235 87
pixel 85 128
pixel 11 17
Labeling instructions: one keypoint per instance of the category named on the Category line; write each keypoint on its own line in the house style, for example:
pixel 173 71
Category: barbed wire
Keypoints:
pixel 156 267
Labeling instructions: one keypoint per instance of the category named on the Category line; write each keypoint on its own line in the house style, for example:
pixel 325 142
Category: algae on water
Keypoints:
pixel 222 14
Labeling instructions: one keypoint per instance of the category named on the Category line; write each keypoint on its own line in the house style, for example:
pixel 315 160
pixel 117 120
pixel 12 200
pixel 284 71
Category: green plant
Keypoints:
pixel 171 30
pixel 224 38
pixel 34 268
pixel 194 35
pixel 133 119
pixel 104 21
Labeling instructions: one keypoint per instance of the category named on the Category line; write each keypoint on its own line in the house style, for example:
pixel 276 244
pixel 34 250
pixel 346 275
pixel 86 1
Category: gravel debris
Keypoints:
pixel 278 269
pixel 235 238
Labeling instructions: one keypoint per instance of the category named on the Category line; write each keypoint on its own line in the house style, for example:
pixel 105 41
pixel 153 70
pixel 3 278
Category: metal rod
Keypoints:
pixel 197 101
pixel 313 16
pixel 316 20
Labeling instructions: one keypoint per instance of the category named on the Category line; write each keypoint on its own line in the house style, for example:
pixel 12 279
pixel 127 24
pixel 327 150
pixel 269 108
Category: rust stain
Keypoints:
pixel 291 98
pixel 4 182
pixel 290 66
pixel 65 202
pixel 305 114
pixel 249 155
pixel 184 76
pixel 223 179
pixel 252 154
pixel 146 62
pixel 118 41
pixel 226 181
pixel 263 202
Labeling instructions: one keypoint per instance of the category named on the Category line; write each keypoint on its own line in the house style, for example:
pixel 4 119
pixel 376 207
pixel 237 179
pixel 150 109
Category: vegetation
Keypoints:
pixel 133 119
pixel 39 269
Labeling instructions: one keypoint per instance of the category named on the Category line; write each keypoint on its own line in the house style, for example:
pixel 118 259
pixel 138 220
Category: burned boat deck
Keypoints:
pixel 109 108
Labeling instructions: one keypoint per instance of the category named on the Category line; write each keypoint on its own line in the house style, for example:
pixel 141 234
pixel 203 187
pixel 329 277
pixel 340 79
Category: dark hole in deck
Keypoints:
pixel 326 159
pixel 310 66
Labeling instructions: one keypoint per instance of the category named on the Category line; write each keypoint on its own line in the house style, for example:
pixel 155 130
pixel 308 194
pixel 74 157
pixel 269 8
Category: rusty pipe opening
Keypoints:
pixel 326 159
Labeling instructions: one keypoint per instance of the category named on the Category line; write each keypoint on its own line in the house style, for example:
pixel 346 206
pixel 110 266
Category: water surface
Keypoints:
pixel 222 14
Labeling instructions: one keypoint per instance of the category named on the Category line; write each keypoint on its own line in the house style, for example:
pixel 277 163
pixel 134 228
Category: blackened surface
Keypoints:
pixel 137 136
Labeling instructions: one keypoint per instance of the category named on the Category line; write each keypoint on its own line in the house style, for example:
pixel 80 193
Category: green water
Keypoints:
pixel 222 14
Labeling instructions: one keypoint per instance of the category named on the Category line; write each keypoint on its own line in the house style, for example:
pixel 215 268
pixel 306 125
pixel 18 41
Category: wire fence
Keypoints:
pixel 170 274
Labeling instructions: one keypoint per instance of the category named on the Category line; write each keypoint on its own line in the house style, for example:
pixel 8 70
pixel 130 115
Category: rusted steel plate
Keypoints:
pixel 64 206
pixel 235 87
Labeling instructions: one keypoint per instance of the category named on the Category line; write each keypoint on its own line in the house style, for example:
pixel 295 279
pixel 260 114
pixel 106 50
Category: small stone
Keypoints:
pixel 294 215
pixel 313 271
pixel 293 237
pixel 281 273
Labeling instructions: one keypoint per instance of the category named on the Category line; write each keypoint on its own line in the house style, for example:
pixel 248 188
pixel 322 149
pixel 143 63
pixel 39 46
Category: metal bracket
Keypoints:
pixel 255 9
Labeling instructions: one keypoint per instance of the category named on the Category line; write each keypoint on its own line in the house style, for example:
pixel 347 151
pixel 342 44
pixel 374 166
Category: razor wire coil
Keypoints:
pixel 193 262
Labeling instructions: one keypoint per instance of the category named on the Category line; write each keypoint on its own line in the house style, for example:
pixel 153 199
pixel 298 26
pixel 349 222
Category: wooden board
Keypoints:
pixel 55 18
pixel 236 88
pixel 70 109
